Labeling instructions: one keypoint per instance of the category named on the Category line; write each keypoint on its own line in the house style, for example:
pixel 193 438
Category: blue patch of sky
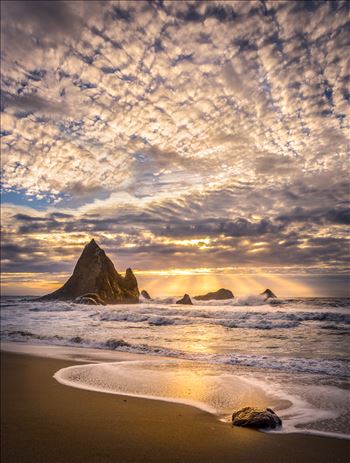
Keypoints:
pixel 83 85
pixel 71 127
pixel 135 137
pixel 140 157
pixel 42 119
pixel 19 198
pixel 158 46
pixel 36 74
pixel 182 57
pixel 109 70
pixel 119 13
pixel 5 133
pixel 22 114
pixel 87 59
pixel 129 78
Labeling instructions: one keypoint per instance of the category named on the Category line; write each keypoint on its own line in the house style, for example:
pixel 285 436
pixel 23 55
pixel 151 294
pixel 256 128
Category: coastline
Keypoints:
pixel 43 420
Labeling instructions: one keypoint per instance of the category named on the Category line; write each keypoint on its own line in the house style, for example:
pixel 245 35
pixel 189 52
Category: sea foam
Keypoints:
pixel 216 391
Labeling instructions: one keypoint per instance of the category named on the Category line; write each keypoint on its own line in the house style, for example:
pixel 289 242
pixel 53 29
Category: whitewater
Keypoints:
pixel 290 354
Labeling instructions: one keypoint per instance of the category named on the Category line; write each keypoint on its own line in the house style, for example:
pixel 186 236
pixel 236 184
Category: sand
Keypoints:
pixel 44 421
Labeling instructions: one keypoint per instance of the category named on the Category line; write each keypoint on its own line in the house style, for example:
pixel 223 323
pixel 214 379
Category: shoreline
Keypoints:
pixel 82 358
pixel 42 420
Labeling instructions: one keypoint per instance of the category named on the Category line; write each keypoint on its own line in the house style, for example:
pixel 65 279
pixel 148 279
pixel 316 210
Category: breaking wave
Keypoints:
pixel 260 320
pixel 335 367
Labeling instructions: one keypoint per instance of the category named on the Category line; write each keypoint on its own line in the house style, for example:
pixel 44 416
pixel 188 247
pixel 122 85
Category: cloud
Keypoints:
pixel 157 125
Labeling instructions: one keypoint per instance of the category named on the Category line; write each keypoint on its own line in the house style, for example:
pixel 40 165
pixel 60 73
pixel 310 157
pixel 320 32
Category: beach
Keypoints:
pixel 218 356
pixel 45 421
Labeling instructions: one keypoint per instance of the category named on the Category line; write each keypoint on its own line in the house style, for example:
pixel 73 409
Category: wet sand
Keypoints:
pixel 43 421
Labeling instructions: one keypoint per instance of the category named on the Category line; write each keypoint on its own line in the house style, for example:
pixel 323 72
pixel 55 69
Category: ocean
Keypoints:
pixel 290 354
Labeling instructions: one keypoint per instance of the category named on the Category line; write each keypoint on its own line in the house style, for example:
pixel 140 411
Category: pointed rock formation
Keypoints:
pixel 95 274
pixel 268 294
pixel 186 300
pixel 145 294
pixel 218 295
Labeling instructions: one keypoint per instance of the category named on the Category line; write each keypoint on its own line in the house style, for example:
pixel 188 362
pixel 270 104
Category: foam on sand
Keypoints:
pixel 218 392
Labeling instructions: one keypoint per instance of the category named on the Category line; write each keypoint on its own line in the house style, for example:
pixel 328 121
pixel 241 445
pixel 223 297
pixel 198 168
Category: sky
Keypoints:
pixel 202 144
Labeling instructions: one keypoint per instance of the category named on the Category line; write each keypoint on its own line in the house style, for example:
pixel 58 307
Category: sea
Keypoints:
pixel 289 354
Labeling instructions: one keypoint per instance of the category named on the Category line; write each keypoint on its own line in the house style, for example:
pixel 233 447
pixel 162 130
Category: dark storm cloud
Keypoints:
pixel 340 216
pixel 45 20
pixel 31 103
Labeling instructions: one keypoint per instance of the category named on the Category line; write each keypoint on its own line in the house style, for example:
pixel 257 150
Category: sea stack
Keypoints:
pixel 268 294
pixel 145 294
pixel 95 274
pixel 218 295
pixel 186 300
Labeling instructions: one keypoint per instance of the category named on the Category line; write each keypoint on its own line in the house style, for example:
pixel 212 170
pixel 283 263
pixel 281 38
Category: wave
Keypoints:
pixel 24 335
pixel 54 308
pixel 229 318
pixel 339 368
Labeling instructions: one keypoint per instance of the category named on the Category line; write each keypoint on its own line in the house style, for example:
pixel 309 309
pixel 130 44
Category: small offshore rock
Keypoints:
pixel 218 295
pixel 258 418
pixel 186 300
pixel 268 294
pixel 145 294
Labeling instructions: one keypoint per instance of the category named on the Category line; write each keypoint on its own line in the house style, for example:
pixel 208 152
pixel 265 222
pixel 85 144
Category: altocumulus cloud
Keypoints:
pixel 176 131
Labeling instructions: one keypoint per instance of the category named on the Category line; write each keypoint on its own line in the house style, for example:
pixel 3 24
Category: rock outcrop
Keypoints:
pixel 95 279
pixel 186 300
pixel 258 418
pixel 216 295
pixel 268 294
pixel 145 294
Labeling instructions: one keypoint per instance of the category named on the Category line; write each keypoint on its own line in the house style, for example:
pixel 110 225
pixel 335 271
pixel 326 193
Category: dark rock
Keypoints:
pixel 95 274
pixel 186 300
pixel 145 294
pixel 268 294
pixel 259 418
pixel 90 299
pixel 217 295
pixel 116 343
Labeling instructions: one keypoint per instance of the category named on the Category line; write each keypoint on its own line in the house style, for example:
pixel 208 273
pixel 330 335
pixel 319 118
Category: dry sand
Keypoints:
pixel 46 422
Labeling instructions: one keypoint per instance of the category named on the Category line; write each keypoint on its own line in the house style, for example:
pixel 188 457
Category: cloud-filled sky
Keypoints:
pixel 192 138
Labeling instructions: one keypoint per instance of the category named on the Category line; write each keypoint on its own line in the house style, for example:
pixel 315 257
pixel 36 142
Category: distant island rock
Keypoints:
pixel 145 294
pixel 268 294
pixel 96 281
pixel 258 418
pixel 186 300
pixel 218 295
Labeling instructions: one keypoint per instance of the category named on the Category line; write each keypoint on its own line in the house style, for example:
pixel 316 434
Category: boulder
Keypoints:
pixel 221 294
pixel 94 274
pixel 90 299
pixel 268 294
pixel 259 418
pixel 186 300
pixel 145 294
